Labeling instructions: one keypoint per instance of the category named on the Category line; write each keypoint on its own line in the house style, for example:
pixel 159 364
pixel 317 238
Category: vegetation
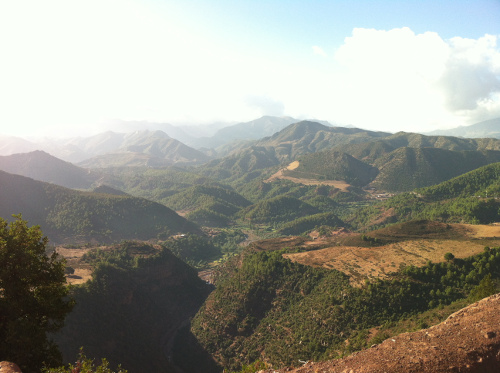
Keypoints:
pixel 334 165
pixel 310 222
pixel 192 249
pixel 278 209
pixel 286 311
pixel 137 296
pixel 33 297
pixel 85 365
pixel 82 216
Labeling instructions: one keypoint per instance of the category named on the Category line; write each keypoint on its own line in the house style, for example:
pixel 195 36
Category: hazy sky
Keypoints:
pixel 69 66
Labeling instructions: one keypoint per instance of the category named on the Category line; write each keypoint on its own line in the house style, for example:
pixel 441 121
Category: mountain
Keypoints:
pixel 488 128
pixel 42 166
pixel 469 198
pixel 333 165
pixel 66 214
pixel 155 144
pixel 309 137
pixel 141 148
pixel 284 146
pixel 253 130
pixel 11 145
pixel 415 140
pixel 130 159
pixel 406 168
pixel 180 133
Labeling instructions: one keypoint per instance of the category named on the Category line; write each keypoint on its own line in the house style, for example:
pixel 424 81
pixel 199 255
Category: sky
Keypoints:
pixel 71 67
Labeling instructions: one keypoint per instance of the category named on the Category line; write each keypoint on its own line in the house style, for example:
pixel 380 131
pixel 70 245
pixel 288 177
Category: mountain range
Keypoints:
pixel 488 128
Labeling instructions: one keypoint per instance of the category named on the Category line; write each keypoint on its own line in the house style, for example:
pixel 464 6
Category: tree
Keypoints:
pixel 33 296
pixel 449 257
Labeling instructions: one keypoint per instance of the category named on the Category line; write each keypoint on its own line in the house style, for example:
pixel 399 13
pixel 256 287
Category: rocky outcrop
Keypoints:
pixel 8 367
pixel 468 341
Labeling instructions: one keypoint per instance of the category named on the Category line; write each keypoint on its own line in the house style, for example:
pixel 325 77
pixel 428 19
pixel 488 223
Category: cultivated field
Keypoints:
pixel 366 262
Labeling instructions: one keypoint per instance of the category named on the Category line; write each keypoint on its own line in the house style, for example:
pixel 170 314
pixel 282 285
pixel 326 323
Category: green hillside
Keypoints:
pixel 128 312
pixel 208 205
pixel 279 312
pixel 469 198
pixel 406 168
pixel 333 165
pixel 66 214
pixel 308 223
pixel 244 162
pixel 277 210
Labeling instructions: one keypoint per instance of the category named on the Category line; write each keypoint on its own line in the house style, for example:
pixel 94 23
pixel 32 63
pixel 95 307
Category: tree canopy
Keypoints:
pixel 33 296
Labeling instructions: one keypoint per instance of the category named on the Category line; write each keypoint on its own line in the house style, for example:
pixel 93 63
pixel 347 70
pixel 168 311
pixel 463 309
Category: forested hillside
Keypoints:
pixel 81 216
pixel 282 312
pixel 470 198
pixel 131 308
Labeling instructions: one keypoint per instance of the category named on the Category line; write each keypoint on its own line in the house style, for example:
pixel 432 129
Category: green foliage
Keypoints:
pixel 473 183
pixel 310 222
pixel 334 165
pixel 449 256
pixel 33 296
pixel 278 209
pixel 456 201
pixel 254 367
pixel 137 296
pixel 286 311
pixel 192 249
pixel 485 288
pixel 405 168
pixel 85 365
pixel 228 240
pixel 82 216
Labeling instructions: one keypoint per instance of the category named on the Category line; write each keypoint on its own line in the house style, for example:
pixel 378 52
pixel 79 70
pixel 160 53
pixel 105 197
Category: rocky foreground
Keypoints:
pixel 468 341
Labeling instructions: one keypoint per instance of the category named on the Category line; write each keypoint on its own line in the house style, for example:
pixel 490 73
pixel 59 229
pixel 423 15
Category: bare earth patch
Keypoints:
pixel 72 256
pixel 483 231
pixel 81 276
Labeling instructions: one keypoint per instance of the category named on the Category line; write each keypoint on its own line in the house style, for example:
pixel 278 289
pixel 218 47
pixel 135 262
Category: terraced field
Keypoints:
pixel 368 262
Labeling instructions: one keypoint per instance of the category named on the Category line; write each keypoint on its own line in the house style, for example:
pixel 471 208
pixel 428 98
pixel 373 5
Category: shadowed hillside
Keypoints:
pixel 80 216
pixel 42 166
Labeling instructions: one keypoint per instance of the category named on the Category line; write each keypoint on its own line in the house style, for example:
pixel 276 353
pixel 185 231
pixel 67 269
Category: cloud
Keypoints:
pixel 396 78
pixel 472 75
pixel 319 51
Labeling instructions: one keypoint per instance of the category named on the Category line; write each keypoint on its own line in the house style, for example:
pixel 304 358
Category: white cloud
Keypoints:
pixel 398 79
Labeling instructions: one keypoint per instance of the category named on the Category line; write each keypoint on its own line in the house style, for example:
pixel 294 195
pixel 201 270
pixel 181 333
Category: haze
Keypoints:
pixel 72 67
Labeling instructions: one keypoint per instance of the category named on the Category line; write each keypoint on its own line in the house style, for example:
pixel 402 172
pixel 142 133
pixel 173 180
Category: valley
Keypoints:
pixel 280 240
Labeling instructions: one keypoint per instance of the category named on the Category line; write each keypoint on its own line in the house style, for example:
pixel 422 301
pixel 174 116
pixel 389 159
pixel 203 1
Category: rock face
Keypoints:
pixel 468 341
pixel 8 367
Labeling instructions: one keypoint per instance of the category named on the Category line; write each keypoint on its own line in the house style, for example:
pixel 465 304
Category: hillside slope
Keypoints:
pixel 131 309
pixel 81 216
pixel 42 166
pixel 468 341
